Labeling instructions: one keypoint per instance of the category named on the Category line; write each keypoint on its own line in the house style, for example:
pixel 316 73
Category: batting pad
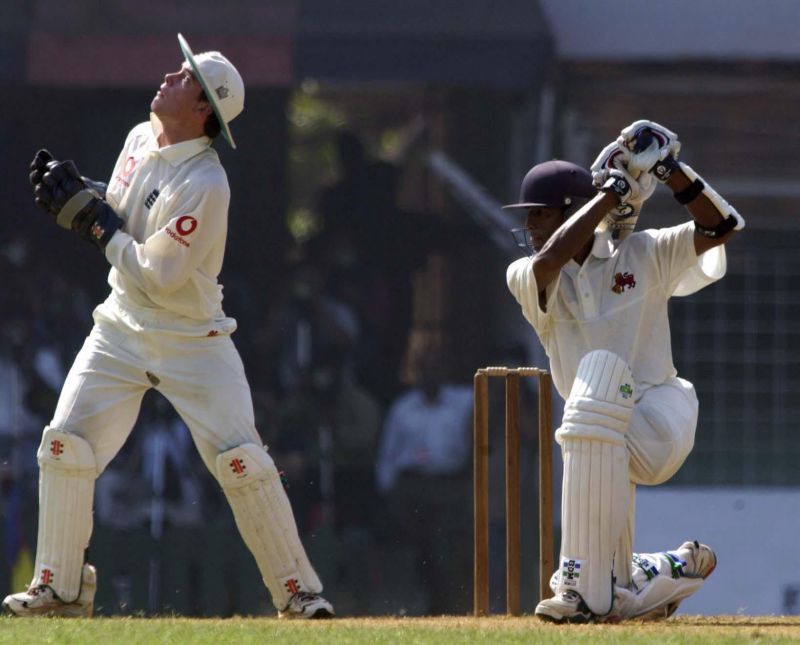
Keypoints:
pixel 67 470
pixel 264 516
pixel 596 486
pixel 623 571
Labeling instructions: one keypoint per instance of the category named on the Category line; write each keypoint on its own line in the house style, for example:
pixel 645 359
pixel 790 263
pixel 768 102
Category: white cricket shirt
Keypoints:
pixel 617 301
pixel 166 259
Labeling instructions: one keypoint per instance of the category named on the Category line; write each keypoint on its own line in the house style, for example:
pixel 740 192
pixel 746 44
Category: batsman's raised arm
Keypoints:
pixel 569 240
pixel 654 149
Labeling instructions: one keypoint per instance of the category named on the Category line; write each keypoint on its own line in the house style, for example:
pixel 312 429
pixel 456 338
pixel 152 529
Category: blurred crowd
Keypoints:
pixel 355 404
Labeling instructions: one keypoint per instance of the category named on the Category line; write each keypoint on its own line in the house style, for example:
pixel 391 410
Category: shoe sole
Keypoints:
pixel 61 612
pixel 558 619
pixel 319 614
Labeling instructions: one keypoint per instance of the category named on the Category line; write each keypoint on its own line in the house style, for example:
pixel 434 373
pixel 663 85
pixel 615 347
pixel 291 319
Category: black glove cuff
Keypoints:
pixel 97 222
pixel 617 185
pixel 688 194
pixel 105 225
pixel 727 224
pixel 664 168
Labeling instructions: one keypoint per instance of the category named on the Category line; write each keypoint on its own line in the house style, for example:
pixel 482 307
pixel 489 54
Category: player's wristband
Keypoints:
pixel 617 185
pixel 664 168
pixel 727 224
pixel 689 194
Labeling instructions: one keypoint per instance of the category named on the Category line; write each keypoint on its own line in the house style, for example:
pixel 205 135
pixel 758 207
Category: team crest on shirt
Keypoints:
pixel 623 280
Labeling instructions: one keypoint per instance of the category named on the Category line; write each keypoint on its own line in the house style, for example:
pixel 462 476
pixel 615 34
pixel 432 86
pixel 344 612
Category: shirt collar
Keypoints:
pixel 177 153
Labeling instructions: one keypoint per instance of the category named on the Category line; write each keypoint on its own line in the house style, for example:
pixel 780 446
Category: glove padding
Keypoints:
pixel 633 189
pixel 652 147
pixel 42 195
pixel 610 172
pixel 75 206
pixel 39 166
pixel 63 181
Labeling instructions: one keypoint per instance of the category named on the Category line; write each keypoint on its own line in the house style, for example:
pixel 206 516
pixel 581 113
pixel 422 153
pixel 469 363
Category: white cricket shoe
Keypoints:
pixel 307 605
pixel 700 559
pixel 564 607
pixel 700 563
pixel 41 600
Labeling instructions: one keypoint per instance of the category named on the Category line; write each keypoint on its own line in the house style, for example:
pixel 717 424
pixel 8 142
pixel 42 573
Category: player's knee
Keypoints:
pixel 600 402
pixel 243 465
pixel 66 451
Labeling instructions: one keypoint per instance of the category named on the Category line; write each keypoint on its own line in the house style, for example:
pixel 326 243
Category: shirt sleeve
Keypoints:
pixel 710 267
pixel 166 260
pixel 522 284
pixel 672 250
pixel 682 271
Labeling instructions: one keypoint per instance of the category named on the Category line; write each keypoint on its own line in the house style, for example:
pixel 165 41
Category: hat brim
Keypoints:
pixel 189 56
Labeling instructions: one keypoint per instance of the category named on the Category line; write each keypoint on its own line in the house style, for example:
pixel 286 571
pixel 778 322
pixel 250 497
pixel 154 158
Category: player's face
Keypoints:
pixel 178 96
pixel 542 221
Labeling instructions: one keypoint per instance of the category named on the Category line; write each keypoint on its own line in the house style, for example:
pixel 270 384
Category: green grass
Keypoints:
pixel 242 631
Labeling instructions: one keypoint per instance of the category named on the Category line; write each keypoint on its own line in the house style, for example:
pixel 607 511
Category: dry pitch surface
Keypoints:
pixel 131 631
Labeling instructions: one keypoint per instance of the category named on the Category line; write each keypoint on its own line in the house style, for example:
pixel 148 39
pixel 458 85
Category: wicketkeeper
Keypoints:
pixel 161 222
pixel 596 294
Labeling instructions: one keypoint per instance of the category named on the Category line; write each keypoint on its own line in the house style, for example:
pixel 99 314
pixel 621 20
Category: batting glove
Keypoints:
pixel 652 147
pixel 611 173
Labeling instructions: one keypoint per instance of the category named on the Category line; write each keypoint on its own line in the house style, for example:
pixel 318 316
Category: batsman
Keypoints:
pixel 596 292
pixel 161 223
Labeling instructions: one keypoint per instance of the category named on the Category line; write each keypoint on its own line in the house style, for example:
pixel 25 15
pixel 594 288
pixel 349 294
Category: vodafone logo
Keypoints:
pixel 127 169
pixel 130 164
pixel 186 225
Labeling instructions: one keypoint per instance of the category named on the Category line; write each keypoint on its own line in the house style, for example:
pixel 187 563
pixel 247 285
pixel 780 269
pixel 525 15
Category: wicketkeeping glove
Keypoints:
pixel 74 205
pixel 42 195
pixel 39 166
pixel 653 148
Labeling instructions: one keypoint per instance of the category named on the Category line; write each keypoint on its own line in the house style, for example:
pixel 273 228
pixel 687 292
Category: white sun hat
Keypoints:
pixel 221 82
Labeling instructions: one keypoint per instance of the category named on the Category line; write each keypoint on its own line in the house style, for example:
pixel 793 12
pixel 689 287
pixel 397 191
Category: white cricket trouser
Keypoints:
pixel 203 378
pixel 660 436
pixel 661 431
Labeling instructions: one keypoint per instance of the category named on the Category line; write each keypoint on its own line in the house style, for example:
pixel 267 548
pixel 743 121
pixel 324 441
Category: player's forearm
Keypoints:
pixel 572 236
pixel 711 227
pixel 700 208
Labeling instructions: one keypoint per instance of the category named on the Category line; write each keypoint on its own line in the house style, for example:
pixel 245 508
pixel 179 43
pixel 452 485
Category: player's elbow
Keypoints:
pixel 164 282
